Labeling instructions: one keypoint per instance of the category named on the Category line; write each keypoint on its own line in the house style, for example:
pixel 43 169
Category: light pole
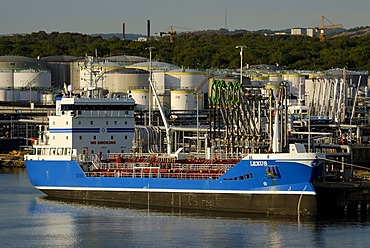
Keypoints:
pixel 13 100
pixel 150 79
pixel 197 122
pixel 241 62
pixel 11 126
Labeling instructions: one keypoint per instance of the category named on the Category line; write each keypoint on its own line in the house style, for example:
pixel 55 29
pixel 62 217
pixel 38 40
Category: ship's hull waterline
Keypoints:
pixel 260 203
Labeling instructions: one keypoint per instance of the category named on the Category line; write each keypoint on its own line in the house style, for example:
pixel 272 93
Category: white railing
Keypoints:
pixel 172 166
pixel 52 153
pixel 156 174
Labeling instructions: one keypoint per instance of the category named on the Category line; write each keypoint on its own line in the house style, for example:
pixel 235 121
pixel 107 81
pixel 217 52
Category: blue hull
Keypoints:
pixel 243 188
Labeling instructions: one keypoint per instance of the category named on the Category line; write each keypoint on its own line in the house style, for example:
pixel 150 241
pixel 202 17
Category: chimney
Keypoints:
pixel 148 30
pixel 123 31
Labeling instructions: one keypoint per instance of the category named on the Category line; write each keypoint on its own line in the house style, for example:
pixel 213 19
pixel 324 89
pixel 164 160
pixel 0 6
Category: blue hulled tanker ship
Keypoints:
pixel 87 154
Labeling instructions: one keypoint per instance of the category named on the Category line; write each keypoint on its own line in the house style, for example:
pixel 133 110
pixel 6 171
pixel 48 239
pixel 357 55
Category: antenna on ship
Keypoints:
pixel 93 77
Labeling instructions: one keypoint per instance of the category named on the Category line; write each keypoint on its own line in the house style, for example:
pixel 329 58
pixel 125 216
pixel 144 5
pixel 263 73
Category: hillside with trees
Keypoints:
pixel 205 50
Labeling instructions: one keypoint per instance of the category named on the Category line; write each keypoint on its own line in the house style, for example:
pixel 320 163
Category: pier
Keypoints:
pixel 337 198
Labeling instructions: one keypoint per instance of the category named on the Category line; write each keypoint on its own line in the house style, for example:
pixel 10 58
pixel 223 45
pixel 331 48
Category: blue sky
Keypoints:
pixel 106 16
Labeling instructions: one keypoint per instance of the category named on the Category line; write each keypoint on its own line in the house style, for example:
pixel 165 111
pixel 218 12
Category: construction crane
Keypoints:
pixel 324 27
pixel 171 32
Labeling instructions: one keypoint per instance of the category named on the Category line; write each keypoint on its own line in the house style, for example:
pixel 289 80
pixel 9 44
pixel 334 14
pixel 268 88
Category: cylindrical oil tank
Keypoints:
pixel 29 96
pixel 12 95
pixel 60 68
pixel 296 83
pixel 32 78
pixel 141 98
pixel 3 95
pixel 20 63
pixel 184 79
pixel 259 80
pixel 275 77
pixel 154 66
pixel 315 75
pixel 47 98
pixel 275 87
pixel 159 79
pixel 6 78
pixel 75 74
pixel 95 72
pixel 183 100
pixel 126 79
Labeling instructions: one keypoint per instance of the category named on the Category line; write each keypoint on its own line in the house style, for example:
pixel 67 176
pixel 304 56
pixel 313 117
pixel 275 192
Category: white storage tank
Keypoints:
pixel 60 67
pixel 47 98
pixel 3 95
pixel 275 87
pixel 154 66
pixel 275 77
pixel 6 78
pixel 32 78
pixel 259 80
pixel 141 98
pixel 126 79
pixel 159 80
pixel 100 70
pixel 296 83
pixel 184 79
pixel 183 100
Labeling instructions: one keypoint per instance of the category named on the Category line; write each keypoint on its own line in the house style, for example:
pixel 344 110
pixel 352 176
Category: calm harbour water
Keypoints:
pixel 29 219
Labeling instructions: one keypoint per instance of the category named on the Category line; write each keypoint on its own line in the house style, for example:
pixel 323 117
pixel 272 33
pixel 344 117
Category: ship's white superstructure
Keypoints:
pixel 90 125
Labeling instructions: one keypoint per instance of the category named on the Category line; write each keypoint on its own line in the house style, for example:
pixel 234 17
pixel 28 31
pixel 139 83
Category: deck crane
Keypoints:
pixel 324 27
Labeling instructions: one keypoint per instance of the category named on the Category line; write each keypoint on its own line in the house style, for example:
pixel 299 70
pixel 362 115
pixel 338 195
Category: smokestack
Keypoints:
pixel 123 31
pixel 148 30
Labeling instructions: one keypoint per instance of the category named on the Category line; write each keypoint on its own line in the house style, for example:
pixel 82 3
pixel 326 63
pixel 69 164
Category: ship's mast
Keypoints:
pixel 93 76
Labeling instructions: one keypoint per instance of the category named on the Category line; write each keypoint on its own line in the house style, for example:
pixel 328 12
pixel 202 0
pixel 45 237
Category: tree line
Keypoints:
pixel 204 50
